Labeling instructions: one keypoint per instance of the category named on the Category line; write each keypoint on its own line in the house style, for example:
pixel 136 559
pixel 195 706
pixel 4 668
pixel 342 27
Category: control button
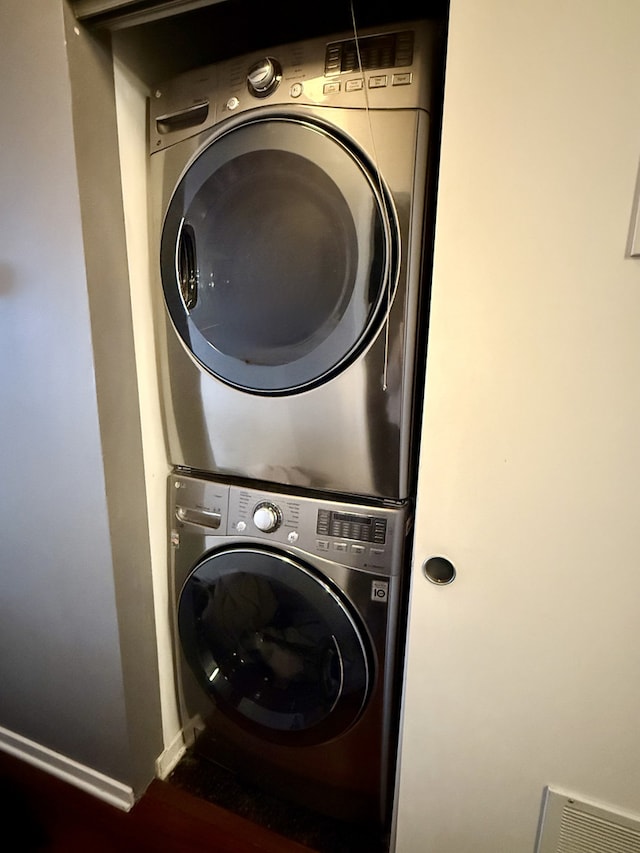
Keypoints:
pixel 379 531
pixel 296 90
pixel 379 81
pixel 333 59
pixel 232 103
pixel 377 552
pixel 404 48
pixel 402 79
pixel 354 85
pixel 323 522
pixel 357 549
pixel 340 546
pixel 331 88
pixel 266 517
pixel 264 76
pixel 293 537
pixel 241 526
pixel 323 545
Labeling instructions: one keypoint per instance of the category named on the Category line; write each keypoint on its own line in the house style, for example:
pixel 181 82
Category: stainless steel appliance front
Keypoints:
pixel 286 613
pixel 289 213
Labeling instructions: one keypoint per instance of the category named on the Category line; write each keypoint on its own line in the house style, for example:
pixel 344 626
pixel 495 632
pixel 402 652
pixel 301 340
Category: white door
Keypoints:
pixel 525 671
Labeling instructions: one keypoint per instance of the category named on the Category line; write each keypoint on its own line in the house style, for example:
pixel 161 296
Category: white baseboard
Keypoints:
pixel 89 780
pixel 168 759
pixel 166 762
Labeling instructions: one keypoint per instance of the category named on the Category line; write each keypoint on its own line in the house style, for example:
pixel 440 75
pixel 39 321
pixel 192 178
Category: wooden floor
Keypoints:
pixel 42 813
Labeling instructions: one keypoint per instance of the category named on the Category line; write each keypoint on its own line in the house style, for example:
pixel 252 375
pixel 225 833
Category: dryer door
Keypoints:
pixel 274 646
pixel 279 254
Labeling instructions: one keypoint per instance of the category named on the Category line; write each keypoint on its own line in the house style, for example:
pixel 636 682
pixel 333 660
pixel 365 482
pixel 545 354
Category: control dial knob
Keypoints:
pixel 263 77
pixel 266 517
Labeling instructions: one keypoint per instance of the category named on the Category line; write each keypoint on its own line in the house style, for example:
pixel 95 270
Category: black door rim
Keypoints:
pixel 228 669
pixel 352 333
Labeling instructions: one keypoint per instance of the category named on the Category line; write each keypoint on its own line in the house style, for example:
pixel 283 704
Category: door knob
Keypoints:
pixel 439 570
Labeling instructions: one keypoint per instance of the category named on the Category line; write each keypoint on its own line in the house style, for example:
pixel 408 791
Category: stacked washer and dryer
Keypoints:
pixel 289 197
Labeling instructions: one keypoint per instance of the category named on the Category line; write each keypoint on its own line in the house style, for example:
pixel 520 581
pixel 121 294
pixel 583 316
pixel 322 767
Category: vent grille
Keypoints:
pixel 572 825
pixel 581 832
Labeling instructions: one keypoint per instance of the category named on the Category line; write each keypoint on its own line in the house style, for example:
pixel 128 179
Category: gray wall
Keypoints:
pixel 77 642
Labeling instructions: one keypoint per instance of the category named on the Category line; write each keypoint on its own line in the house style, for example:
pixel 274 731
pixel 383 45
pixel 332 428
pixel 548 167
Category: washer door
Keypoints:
pixel 279 255
pixel 274 646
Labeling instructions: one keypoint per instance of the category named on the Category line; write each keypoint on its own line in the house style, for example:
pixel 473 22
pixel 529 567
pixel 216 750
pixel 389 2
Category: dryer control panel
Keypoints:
pixel 371 538
pixel 391 66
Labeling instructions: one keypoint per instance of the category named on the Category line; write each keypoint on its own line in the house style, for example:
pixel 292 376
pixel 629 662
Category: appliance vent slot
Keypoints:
pixel 572 825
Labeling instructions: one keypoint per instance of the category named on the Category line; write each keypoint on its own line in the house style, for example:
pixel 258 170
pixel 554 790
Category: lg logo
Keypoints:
pixel 379 590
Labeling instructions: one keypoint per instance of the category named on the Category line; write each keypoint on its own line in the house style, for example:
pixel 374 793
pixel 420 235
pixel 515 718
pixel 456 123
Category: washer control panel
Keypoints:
pixel 353 534
pixel 352 525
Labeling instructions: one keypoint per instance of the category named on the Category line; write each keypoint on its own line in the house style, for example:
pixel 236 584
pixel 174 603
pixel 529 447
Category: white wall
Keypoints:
pixel 524 671
pixel 58 620
pixel 78 682
pixel 131 99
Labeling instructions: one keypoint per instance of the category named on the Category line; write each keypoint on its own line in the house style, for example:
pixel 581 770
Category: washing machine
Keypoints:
pixel 288 200
pixel 287 611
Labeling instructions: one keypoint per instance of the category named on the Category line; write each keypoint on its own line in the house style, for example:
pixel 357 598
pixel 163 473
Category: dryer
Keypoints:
pixel 288 203
pixel 286 613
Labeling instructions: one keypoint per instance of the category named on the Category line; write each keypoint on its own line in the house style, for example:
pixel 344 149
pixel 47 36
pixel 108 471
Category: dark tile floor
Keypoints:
pixel 202 778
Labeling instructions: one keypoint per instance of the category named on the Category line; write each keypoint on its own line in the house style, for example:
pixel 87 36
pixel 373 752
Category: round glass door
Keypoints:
pixel 274 646
pixel 279 255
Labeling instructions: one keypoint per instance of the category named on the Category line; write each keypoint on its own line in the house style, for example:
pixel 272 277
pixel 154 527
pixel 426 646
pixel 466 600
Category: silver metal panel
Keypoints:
pixel 353 535
pixel 219 516
pixel 351 435
pixel 304 84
